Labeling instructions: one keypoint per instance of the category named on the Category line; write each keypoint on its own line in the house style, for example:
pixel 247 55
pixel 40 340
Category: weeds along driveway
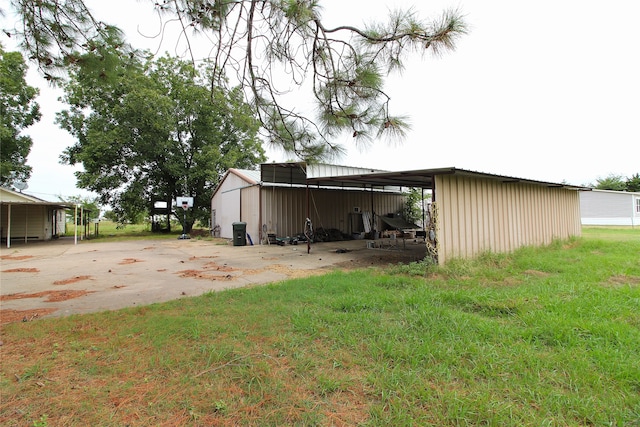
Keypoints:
pixel 59 278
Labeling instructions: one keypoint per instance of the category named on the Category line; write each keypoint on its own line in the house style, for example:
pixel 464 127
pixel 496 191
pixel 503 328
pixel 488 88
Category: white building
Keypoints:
pixel 24 217
pixel 606 207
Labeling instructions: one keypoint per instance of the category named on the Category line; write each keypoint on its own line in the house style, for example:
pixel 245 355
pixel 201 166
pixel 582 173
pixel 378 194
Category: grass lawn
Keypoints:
pixel 541 337
pixel 111 231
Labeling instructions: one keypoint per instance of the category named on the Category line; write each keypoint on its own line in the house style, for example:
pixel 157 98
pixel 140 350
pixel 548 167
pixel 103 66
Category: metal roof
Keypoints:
pixel 300 173
pixel 11 197
pixel 422 178
pixel 632 193
pixel 249 175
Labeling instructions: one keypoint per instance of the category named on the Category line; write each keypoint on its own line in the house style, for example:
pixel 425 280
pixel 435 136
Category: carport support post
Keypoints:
pixel 308 216
pixel 26 223
pixel 75 226
pixel 374 228
pixel 8 225
pixel 82 220
pixel 423 216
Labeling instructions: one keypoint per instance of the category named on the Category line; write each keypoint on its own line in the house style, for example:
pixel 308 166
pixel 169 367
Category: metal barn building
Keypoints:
pixel 278 200
pixel 606 207
pixel 472 212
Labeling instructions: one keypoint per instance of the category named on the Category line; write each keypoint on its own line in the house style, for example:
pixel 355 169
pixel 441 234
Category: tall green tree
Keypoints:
pixel 633 183
pixel 90 207
pixel 412 210
pixel 155 130
pixel 611 182
pixel 255 43
pixel 18 110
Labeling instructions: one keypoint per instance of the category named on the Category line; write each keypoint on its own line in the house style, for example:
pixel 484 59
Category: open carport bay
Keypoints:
pixel 59 278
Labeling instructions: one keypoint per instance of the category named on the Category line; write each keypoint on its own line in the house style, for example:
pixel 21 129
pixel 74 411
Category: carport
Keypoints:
pixel 24 217
pixel 475 212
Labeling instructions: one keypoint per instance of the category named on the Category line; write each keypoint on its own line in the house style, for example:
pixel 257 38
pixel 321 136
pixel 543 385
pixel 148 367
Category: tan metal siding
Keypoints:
pixel 478 215
pixel 226 205
pixel 231 202
pixel 250 211
pixel 285 209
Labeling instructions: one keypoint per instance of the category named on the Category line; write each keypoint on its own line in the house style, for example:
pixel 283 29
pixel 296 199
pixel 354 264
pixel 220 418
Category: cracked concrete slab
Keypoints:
pixel 98 276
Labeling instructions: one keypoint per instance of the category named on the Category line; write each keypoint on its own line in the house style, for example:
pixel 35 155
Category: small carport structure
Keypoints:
pixel 24 217
pixel 475 212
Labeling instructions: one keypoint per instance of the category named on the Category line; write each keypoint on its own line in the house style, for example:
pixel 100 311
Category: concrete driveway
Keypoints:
pixel 58 278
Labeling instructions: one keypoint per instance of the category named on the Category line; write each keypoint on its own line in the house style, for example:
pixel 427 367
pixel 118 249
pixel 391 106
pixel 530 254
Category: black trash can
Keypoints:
pixel 239 234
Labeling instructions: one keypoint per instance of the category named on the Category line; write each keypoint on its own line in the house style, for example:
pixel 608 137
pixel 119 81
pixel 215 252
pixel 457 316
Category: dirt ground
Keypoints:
pixel 59 278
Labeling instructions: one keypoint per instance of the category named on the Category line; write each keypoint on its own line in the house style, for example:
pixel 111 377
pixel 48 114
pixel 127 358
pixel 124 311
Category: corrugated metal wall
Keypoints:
pixel 250 211
pixel 285 209
pixel 478 215
pixel 225 205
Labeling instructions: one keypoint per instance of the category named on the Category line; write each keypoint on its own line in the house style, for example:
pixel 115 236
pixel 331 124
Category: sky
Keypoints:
pixel 545 90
